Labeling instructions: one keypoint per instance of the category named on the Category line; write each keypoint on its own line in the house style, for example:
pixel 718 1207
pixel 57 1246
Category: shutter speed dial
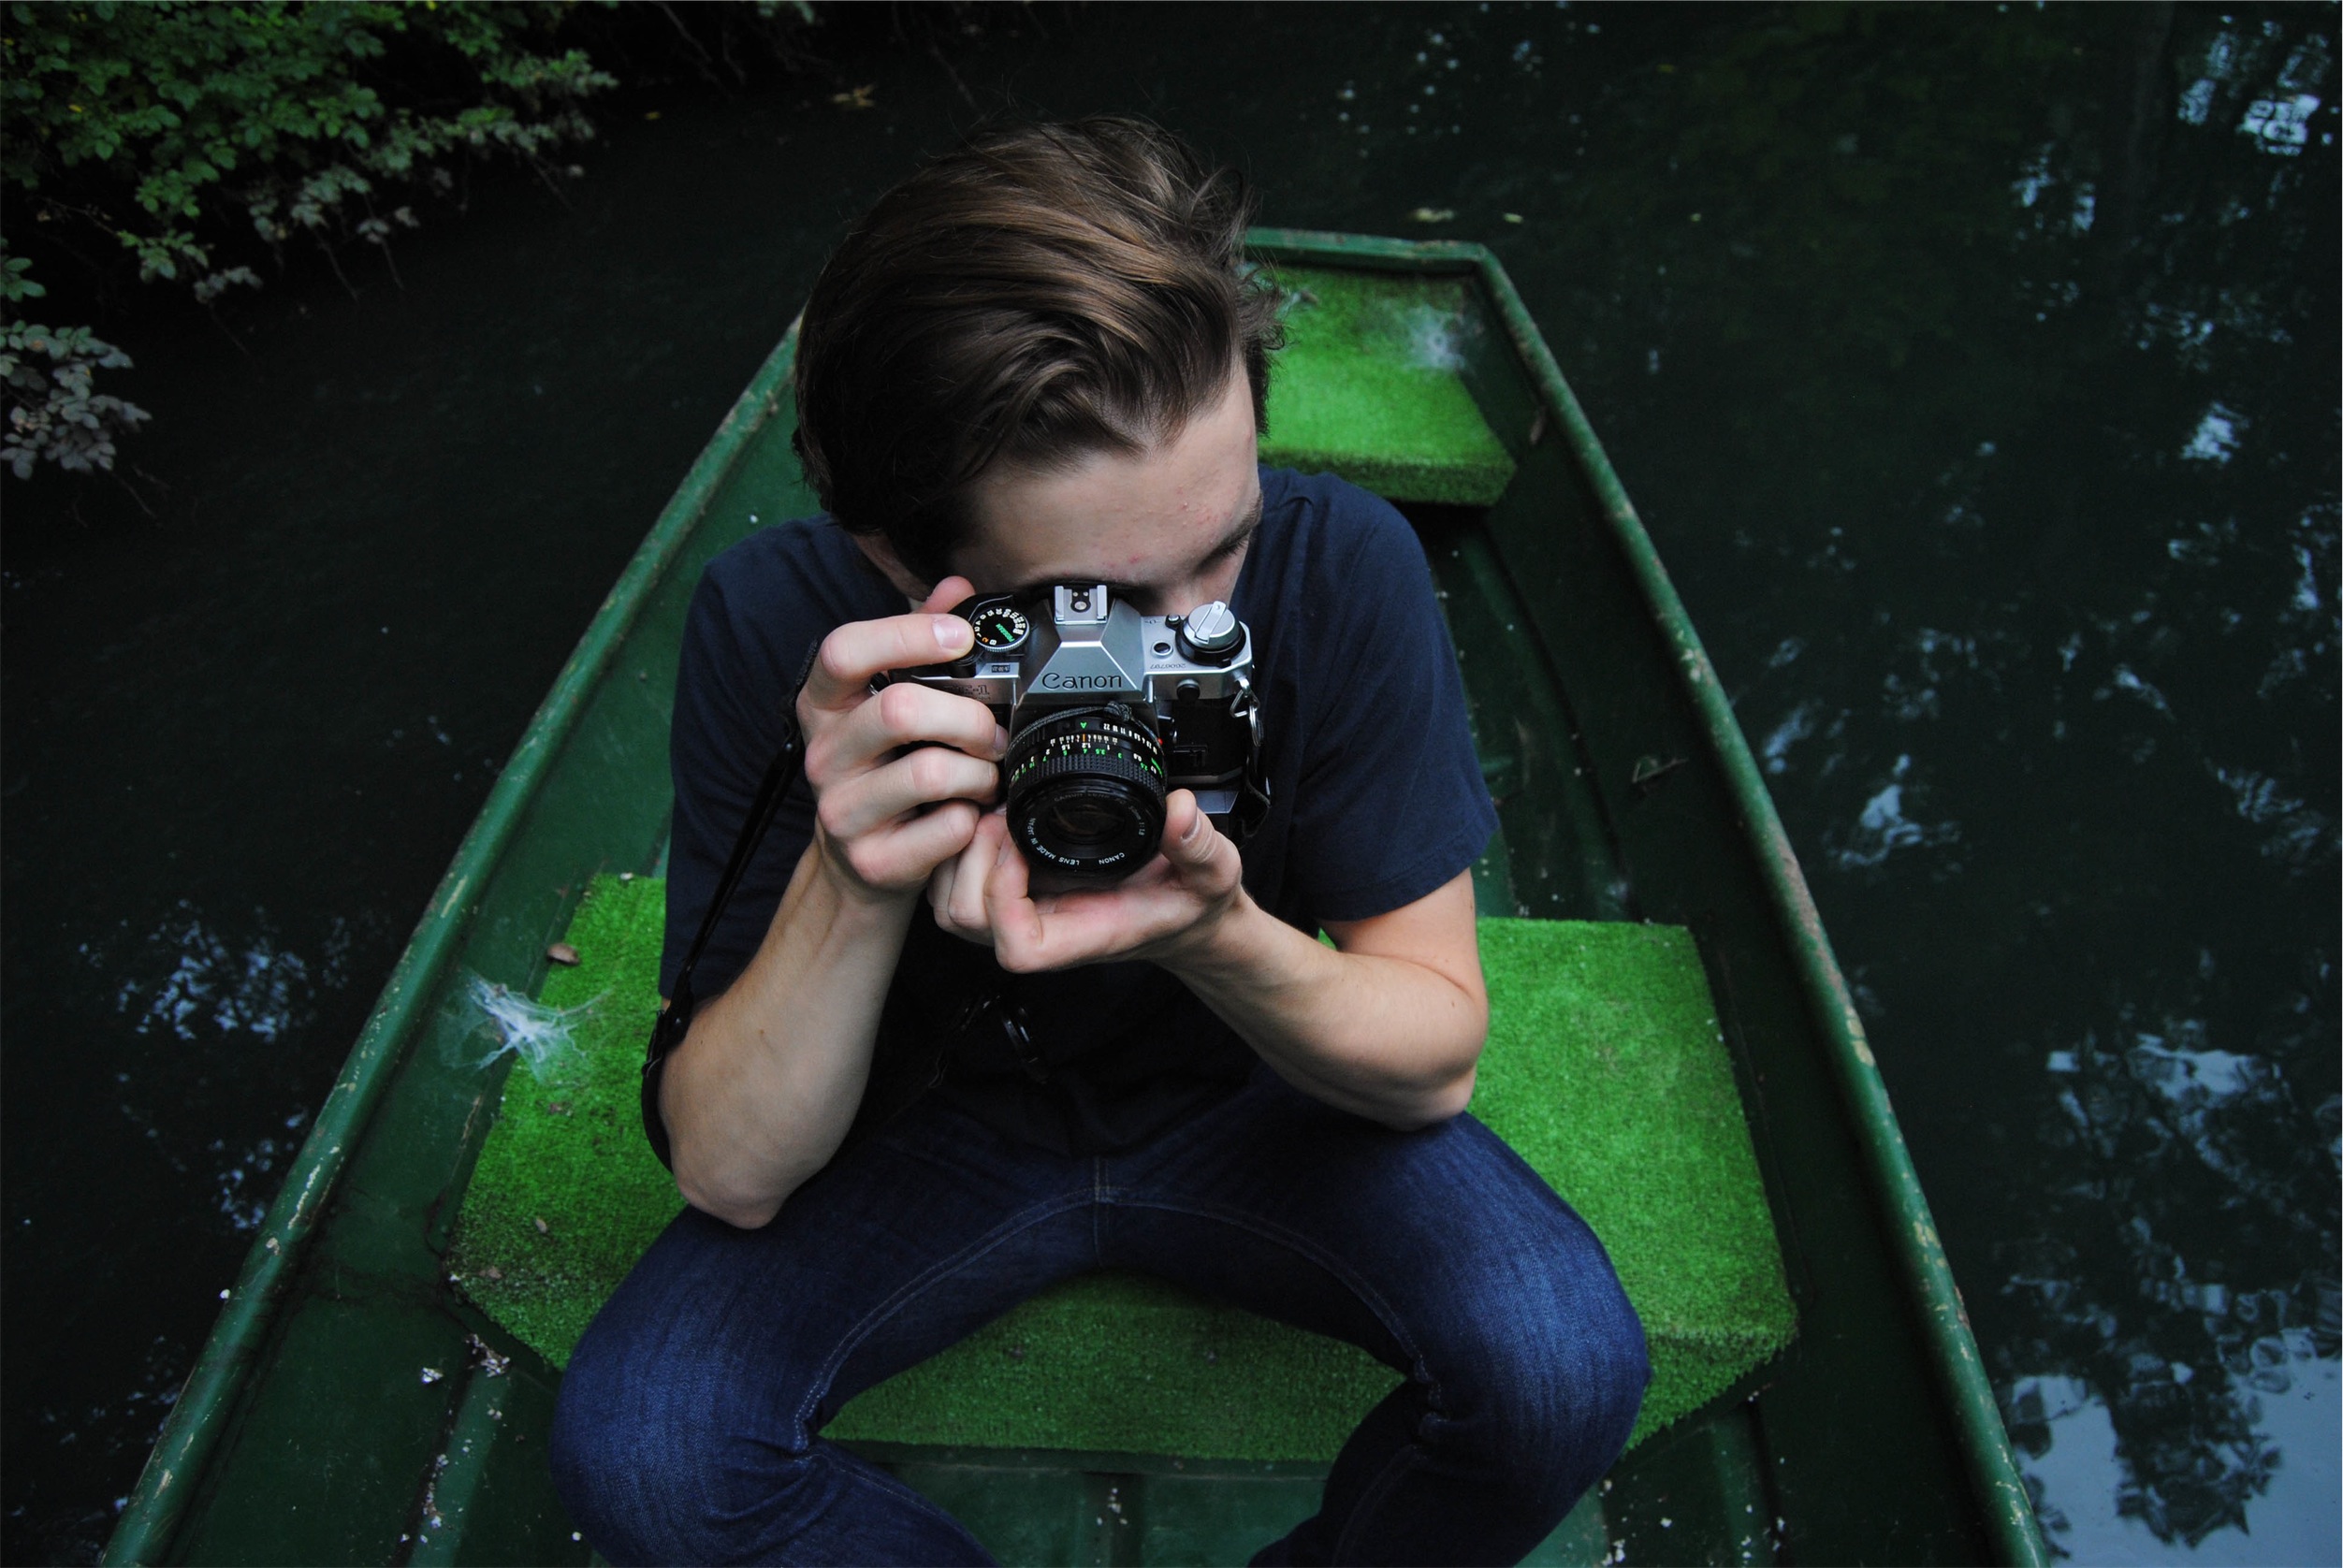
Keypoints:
pixel 1212 634
pixel 1001 628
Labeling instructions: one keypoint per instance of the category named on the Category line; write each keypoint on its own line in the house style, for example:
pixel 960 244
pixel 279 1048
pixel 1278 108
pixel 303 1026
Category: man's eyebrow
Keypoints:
pixel 1244 528
pixel 1241 530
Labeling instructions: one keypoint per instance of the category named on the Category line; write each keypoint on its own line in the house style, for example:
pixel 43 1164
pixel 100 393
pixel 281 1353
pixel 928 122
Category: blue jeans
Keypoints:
pixel 690 1418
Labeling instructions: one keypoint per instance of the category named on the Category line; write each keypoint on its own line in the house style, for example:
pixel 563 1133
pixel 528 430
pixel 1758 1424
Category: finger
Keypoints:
pixel 967 908
pixel 944 595
pixel 925 775
pixel 854 654
pixel 939 886
pixel 909 713
pixel 1016 924
pixel 907 853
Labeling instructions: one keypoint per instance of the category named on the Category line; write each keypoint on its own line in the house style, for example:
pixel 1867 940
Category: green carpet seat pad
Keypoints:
pixel 1370 386
pixel 1604 1070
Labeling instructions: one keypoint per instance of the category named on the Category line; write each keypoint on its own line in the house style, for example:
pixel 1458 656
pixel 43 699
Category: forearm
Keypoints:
pixel 1381 1035
pixel 764 1085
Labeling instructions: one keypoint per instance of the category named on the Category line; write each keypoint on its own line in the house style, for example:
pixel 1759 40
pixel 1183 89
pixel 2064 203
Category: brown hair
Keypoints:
pixel 1042 293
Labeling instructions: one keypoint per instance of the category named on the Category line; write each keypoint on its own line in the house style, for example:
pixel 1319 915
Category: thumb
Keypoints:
pixel 1188 836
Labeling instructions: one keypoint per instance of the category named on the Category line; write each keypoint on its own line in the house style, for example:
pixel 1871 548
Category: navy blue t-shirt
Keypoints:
pixel 1377 801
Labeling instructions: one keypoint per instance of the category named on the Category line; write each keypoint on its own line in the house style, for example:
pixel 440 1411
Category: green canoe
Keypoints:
pixel 1626 794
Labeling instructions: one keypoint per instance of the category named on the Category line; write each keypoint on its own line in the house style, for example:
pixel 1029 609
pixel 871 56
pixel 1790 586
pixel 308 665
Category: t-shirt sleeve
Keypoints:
pixel 737 673
pixel 1391 804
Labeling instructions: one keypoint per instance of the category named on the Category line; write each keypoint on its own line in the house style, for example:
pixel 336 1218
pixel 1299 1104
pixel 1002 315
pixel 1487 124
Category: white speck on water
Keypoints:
pixel 2191 1077
pixel 1795 728
pixel 2127 680
pixel 2258 797
pixel 2280 126
pixel 1882 828
pixel 432 1374
pixel 2215 440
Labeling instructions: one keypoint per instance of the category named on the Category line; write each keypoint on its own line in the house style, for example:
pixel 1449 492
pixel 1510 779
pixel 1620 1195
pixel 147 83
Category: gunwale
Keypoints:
pixel 154 1523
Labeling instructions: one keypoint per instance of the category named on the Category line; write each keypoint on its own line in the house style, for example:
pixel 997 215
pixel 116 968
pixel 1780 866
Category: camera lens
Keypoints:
pixel 1082 822
pixel 1085 791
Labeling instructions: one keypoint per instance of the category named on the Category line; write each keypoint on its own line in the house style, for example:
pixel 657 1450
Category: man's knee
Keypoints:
pixel 1547 1371
pixel 644 1452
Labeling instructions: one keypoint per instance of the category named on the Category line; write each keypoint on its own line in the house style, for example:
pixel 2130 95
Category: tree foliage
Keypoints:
pixel 53 412
pixel 196 138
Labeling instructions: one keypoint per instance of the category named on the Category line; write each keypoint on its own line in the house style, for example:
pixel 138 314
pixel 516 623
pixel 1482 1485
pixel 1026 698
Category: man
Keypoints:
pixel 927 1092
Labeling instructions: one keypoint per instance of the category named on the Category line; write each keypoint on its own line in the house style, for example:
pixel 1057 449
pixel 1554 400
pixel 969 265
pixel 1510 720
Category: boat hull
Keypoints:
pixel 309 1431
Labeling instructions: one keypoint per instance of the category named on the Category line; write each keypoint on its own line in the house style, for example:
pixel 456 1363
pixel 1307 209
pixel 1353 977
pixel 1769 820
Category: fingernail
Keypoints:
pixel 1000 741
pixel 951 632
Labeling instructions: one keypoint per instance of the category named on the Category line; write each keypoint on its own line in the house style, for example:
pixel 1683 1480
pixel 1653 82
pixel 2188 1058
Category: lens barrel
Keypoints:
pixel 1085 791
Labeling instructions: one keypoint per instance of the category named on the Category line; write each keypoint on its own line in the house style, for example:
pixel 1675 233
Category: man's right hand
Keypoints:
pixel 900 776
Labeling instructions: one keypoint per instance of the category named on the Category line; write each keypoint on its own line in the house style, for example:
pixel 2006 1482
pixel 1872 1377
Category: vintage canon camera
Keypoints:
pixel 1108 711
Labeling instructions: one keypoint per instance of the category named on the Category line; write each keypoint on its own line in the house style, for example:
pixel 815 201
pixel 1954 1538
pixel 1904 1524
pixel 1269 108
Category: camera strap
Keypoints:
pixel 1253 803
pixel 674 1014
pixel 1252 794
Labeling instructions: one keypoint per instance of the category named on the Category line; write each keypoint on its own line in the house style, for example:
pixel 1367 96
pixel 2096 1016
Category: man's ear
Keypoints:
pixel 881 555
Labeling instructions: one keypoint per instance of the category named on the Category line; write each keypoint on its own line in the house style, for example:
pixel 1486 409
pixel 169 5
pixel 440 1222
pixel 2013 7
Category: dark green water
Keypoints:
pixel 1975 371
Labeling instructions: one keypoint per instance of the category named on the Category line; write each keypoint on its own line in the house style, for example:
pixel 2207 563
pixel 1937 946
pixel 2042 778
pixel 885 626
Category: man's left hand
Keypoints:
pixel 1161 911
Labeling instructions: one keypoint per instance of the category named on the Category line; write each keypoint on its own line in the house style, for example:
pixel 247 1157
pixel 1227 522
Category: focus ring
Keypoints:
pixel 1084 790
pixel 1128 770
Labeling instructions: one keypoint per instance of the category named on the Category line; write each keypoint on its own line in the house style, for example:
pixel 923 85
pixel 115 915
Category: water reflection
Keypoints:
pixel 2082 1465
pixel 1880 828
pixel 1967 363
pixel 254 987
pixel 2013 525
pixel 201 980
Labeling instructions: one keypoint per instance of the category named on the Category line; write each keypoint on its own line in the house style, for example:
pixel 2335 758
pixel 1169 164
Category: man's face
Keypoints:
pixel 1166 527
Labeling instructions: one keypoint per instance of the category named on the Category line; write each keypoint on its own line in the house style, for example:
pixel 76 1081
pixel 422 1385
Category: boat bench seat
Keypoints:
pixel 1604 1070
pixel 1371 385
